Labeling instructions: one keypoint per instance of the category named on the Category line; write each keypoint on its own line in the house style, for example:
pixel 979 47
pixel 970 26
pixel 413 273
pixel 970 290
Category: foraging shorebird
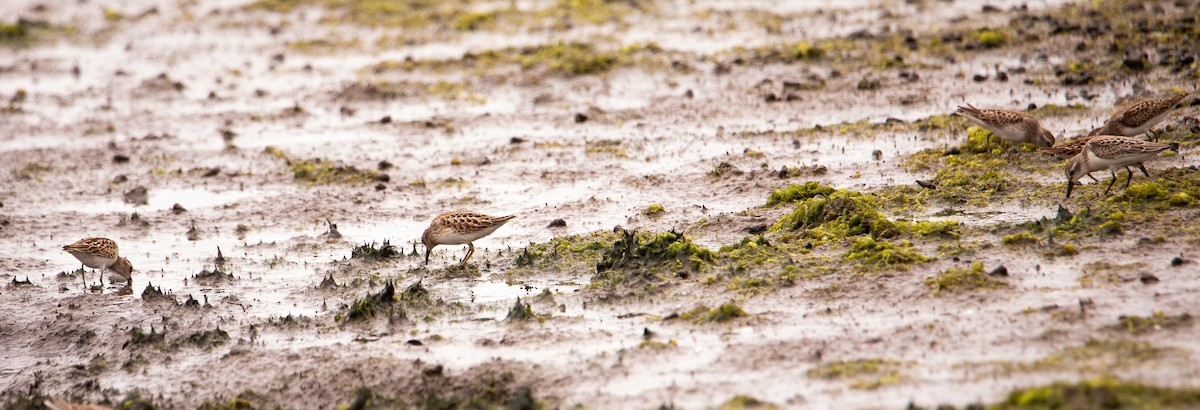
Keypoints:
pixel 1111 152
pixel 1009 125
pixel 100 253
pixel 1138 117
pixel 458 228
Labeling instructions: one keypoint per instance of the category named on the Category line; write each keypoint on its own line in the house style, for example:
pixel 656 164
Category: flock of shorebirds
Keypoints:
pixel 1109 147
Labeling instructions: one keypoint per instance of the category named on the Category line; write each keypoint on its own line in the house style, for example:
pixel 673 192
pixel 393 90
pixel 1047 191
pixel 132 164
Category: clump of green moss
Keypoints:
pixel 964 280
pixel 942 229
pixel 643 256
pixel 568 253
pixel 861 373
pixel 878 255
pixel 370 251
pixel 798 193
pixel 1137 325
pixel 803 50
pixel 721 314
pixel 319 171
pixel 743 402
pixel 471 21
pixel 840 214
pixel 1019 239
pixel 568 58
pixel 653 210
pixel 992 38
pixel 1100 393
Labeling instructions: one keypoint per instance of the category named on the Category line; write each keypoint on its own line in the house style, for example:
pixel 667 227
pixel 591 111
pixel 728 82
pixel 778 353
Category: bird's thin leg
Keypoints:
pixel 1111 181
pixel 470 250
pixel 1128 178
pixel 1143 168
pixel 1093 178
pixel 83 279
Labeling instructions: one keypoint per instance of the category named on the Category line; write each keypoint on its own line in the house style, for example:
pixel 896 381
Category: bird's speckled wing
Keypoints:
pixel 1113 147
pixel 103 247
pixel 470 221
pixel 1142 111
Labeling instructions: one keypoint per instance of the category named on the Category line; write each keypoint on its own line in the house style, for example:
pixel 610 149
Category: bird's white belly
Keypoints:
pixel 1011 133
pixel 94 261
pixel 1097 163
pixel 459 238
pixel 1146 126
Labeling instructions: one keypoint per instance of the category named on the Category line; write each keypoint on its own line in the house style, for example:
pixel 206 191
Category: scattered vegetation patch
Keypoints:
pixel 22 33
pixel 1138 325
pixel 641 258
pixel 1095 357
pixel 960 279
pixel 1099 274
pixel 1104 392
pixel 32 171
pixel 319 171
pixel 721 314
pixel 568 253
pixel 569 59
pixel 878 255
pixel 653 210
pixel 382 303
pixel 861 373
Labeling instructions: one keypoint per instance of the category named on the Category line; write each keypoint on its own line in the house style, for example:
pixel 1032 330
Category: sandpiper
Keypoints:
pixel 1111 152
pixel 100 253
pixel 1138 117
pixel 1010 125
pixel 457 228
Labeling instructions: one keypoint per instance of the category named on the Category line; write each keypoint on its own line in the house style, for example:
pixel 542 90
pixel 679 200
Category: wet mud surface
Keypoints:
pixel 298 140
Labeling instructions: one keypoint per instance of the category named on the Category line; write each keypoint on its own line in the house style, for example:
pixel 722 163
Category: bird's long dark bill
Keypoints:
pixel 427 256
pixel 1070 184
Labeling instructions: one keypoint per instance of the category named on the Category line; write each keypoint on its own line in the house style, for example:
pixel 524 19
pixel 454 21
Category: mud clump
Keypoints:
pixel 520 312
pixel 383 303
pixel 138 338
pixel 154 294
pixel 137 196
pixel 836 215
pixel 204 339
pixel 372 252
pixel 721 314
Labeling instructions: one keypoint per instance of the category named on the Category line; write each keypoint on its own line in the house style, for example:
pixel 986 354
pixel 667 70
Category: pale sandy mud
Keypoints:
pixel 204 103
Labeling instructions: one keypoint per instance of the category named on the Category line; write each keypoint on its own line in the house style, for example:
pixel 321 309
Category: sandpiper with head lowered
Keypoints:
pixel 457 228
pixel 100 253
pixel 1009 125
pixel 1111 152
pixel 1138 117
